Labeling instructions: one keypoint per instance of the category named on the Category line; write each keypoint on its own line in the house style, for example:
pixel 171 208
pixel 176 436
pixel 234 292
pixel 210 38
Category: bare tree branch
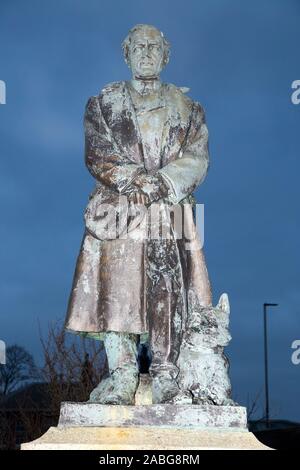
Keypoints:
pixel 19 368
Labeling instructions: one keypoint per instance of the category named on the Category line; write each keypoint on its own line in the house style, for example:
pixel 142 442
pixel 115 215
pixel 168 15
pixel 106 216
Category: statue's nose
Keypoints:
pixel 147 51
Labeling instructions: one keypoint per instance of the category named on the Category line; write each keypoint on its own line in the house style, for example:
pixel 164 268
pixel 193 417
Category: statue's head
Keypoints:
pixel 146 51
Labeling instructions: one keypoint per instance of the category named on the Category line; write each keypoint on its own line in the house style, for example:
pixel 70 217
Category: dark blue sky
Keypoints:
pixel 239 60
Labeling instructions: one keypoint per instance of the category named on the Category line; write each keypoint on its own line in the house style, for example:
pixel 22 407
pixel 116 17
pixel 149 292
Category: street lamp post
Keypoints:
pixel 266 361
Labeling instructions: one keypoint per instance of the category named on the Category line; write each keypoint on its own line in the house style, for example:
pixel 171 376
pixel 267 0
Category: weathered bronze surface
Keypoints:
pixel 146 142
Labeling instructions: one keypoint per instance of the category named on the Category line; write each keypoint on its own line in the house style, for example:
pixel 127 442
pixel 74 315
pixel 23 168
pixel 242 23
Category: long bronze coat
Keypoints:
pixel 124 284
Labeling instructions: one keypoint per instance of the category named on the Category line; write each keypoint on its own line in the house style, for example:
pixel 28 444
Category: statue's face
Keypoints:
pixel 146 53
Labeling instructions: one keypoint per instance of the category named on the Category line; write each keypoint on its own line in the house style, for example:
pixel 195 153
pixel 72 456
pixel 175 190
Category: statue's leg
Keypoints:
pixel 165 305
pixel 164 373
pixel 120 387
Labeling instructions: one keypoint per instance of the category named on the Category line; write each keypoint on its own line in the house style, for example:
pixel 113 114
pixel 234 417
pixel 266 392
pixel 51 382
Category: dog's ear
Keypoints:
pixel 223 304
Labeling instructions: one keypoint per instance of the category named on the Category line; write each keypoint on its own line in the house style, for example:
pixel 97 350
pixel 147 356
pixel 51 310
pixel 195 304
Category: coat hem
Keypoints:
pixel 100 335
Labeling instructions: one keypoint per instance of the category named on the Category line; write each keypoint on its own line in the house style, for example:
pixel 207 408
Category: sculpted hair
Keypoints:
pixel 139 27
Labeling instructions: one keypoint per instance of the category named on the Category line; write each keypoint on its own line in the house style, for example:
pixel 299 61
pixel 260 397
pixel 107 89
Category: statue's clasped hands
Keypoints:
pixel 148 189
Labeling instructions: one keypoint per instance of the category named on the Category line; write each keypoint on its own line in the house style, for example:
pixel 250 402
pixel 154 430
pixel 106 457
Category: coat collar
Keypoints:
pixel 144 87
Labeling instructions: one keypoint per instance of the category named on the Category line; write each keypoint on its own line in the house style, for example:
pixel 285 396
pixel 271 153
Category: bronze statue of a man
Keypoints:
pixel 145 141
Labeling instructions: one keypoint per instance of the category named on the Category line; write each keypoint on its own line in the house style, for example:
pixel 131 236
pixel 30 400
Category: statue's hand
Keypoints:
pixel 152 186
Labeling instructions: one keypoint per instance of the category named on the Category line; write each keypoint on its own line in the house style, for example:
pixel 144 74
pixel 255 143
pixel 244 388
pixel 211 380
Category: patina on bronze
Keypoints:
pixel 147 141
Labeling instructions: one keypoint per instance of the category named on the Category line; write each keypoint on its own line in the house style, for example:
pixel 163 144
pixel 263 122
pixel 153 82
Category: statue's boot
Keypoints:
pixel 120 387
pixel 165 388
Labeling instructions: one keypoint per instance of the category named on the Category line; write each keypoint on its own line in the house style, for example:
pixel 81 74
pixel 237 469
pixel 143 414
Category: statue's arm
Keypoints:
pixel 184 174
pixel 102 157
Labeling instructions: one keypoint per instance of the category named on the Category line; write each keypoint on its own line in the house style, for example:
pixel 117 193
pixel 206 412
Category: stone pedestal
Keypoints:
pixel 143 438
pixel 196 417
pixel 88 426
